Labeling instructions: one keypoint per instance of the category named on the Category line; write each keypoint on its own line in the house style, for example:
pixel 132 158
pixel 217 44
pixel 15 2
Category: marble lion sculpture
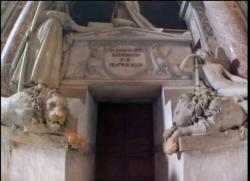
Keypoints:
pixel 40 110
pixel 203 112
pixel 36 109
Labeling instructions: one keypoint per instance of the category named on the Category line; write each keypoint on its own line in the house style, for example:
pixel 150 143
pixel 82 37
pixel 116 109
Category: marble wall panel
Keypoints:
pixel 32 163
pixel 106 57
pixel 230 29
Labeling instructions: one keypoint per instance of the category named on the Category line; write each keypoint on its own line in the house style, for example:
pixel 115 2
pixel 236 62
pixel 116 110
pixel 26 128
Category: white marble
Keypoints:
pixel 225 164
pixel 127 53
pixel 79 167
pixel 230 29
pixel 32 163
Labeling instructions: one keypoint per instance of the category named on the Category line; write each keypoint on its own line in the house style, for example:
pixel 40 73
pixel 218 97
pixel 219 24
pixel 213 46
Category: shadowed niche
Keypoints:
pixel 83 12
pixel 162 14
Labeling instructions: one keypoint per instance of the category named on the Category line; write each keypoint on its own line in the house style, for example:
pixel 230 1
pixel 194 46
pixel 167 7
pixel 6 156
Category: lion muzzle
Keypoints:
pixel 60 114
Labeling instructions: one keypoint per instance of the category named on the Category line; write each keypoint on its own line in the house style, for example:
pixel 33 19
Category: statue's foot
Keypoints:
pixel 170 147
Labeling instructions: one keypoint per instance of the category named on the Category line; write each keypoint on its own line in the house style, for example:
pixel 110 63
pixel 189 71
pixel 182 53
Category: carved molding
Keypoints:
pixel 243 5
pixel 195 16
pixel 128 54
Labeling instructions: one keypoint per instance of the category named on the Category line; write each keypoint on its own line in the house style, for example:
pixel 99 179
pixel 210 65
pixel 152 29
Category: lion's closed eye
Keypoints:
pixel 52 105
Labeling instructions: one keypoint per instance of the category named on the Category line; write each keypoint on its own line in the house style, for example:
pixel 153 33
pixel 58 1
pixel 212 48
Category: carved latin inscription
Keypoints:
pixel 125 61
pixel 120 55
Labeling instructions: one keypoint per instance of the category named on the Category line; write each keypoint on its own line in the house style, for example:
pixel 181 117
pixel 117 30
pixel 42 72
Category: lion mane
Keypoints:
pixel 35 107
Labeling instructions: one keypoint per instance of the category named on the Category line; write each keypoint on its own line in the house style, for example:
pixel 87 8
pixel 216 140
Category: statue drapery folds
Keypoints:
pixel 127 13
pixel 42 61
pixel 44 55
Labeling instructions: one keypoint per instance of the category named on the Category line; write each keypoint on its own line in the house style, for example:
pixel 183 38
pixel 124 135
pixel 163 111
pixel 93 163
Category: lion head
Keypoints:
pixel 191 106
pixel 49 107
pixel 55 110
pixel 184 110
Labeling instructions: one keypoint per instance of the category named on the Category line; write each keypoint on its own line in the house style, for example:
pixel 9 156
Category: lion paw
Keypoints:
pixel 170 147
pixel 167 133
pixel 75 140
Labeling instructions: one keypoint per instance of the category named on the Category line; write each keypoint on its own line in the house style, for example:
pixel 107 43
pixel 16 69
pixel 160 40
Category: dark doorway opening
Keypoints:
pixel 124 143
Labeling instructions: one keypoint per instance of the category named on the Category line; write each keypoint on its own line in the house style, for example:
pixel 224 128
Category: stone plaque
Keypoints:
pixel 127 53
pixel 124 61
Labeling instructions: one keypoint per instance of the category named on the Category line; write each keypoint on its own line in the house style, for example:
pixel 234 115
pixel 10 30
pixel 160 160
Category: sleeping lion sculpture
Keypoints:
pixel 36 109
pixel 41 110
pixel 203 111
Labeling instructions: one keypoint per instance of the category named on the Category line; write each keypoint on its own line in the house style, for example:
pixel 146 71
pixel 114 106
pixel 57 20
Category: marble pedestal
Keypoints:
pixel 221 157
pixel 217 157
pixel 29 162
pixel 227 163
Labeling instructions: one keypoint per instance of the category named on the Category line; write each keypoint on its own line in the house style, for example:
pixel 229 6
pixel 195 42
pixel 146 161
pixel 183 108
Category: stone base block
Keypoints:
pixel 227 163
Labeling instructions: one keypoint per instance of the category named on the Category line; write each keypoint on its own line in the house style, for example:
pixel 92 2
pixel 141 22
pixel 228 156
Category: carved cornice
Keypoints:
pixel 243 5
pixel 193 12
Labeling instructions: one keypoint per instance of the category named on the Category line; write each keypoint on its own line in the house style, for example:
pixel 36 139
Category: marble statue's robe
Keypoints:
pixel 133 9
pixel 215 75
pixel 129 14
pixel 44 54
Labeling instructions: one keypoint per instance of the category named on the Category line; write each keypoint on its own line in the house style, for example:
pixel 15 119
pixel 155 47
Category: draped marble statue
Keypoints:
pixel 215 75
pixel 42 61
pixel 127 13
